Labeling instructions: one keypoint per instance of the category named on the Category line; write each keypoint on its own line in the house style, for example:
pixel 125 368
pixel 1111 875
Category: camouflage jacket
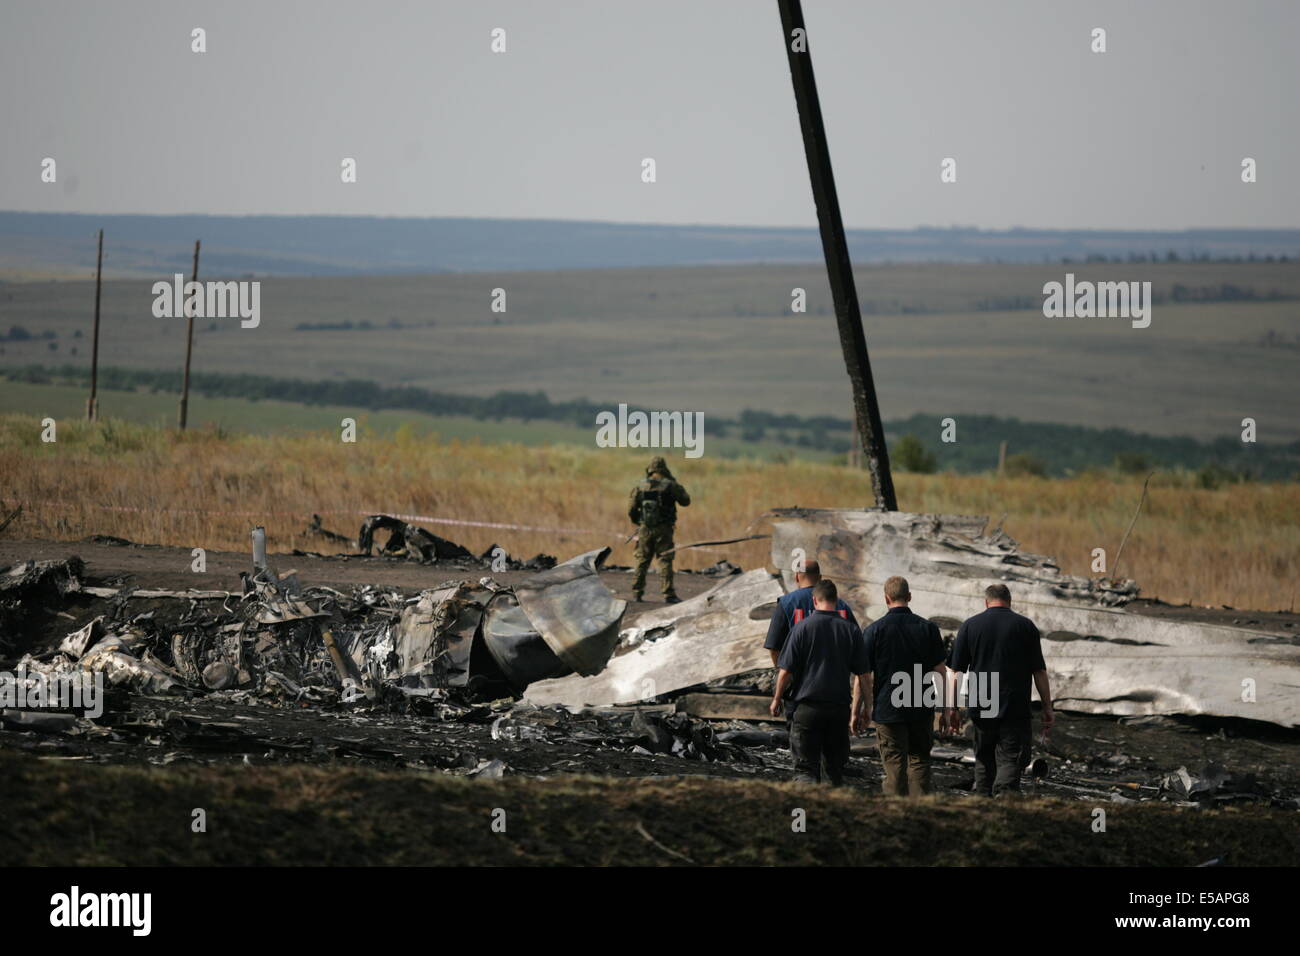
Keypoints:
pixel 653 503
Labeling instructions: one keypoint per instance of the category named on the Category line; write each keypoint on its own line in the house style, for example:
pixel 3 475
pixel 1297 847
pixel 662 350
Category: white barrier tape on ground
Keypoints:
pixel 427 519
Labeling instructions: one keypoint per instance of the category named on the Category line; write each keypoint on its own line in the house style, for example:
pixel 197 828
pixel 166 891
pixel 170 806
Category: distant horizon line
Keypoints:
pixel 923 227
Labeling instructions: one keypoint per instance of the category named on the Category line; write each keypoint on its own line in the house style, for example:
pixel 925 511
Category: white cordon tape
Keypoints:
pixel 426 519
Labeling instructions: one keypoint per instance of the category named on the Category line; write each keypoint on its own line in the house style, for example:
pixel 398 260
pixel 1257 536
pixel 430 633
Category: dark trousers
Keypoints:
pixel 791 708
pixel 1001 752
pixel 905 751
pixel 819 732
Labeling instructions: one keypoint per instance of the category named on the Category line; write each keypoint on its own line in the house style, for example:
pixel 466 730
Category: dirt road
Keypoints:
pixel 153 566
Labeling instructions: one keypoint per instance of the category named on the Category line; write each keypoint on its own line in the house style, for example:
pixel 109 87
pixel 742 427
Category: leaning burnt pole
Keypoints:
pixel 843 292
pixel 183 414
pixel 92 403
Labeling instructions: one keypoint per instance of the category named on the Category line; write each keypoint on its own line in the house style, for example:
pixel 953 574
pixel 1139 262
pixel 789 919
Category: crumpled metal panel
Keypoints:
pixel 712 635
pixel 859 550
pixel 77 643
pixel 494 641
pixel 434 637
pixel 516 645
pixel 573 610
pixel 112 655
pixel 278 608
pixel 58 577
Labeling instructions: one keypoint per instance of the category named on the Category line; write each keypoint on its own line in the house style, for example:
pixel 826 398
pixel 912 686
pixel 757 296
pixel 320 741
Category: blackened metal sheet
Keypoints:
pixel 573 610
pixel 516 645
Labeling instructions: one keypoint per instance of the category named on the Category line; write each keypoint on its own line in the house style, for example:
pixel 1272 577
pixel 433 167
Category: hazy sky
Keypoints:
pixel 1046 133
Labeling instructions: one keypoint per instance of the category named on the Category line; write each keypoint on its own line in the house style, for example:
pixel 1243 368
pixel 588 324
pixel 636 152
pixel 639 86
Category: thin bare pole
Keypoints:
pixel 189 344
pixel 92 403
pixel 1114 568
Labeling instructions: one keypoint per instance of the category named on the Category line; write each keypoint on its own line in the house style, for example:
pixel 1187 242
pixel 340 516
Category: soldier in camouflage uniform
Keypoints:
pixel 653 505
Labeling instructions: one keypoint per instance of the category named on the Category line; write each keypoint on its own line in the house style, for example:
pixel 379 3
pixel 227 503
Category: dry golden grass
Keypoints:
pixel 1238 546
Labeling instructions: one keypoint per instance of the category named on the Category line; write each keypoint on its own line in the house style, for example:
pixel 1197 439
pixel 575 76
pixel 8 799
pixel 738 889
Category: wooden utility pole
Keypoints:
pixel 855 450
pixel 189 344
pixel 92 403
pixel 1002 459
pixel 843 291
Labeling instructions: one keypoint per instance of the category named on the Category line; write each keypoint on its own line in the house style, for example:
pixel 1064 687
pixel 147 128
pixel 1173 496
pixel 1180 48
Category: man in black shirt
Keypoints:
pixel 1002 651
pixel 823 654
pixel 902 650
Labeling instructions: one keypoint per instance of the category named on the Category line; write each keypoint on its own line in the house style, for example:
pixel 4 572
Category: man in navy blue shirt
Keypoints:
pixel 793 608
pixel 903 649
pixel 1003 651
pixel 821 657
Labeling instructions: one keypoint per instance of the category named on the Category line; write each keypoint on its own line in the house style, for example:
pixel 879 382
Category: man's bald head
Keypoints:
pixel 809 576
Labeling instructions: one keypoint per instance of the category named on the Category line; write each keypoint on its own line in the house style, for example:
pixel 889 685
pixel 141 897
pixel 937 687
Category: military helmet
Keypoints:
pixel 658 464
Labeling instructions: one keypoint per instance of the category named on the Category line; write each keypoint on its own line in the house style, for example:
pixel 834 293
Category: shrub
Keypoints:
pixel 1026 465
pixel 910 454
pixel 1133 463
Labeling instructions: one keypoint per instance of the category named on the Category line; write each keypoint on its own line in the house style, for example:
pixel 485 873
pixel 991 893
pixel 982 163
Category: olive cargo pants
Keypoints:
pixel 651 543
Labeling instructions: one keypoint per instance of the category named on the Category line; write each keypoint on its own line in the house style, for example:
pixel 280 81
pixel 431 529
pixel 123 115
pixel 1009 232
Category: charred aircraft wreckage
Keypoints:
pixel 548 659
pixel 1101 657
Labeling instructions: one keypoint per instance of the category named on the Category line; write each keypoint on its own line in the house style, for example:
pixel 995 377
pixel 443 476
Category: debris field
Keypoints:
pixel 438 680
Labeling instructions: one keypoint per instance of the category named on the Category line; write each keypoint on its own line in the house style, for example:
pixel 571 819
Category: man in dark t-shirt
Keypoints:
pixel 903 650
pixel 821 657
pixel 1003 653
pixel 793 608
pixel 790 610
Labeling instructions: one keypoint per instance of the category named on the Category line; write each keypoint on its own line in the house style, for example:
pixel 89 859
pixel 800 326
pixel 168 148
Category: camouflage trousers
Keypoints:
pixel 651 543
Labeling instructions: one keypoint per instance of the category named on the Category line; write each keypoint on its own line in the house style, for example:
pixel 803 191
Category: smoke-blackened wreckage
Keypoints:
pixel 552 675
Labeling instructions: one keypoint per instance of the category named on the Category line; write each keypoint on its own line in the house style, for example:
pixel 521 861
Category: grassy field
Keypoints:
pixel 63 402
pixel 718 340
pixel 1238 546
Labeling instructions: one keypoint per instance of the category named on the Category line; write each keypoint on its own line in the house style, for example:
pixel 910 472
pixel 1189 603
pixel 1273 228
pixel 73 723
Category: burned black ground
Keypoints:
pixel 60 813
